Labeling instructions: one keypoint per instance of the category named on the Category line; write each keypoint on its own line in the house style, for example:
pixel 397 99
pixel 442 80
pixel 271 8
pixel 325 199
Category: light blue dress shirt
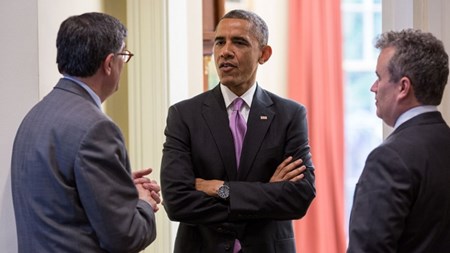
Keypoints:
pixel 94 96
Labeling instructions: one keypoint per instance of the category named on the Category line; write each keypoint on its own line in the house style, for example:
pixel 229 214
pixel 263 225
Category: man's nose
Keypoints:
pixel 374 86
pixel 227 51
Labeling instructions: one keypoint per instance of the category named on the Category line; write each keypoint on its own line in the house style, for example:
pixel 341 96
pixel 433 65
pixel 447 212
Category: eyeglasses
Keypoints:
pixel 126 55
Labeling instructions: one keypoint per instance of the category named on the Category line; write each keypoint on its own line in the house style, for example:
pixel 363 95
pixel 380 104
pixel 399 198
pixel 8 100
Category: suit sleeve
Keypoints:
pixel 280 200
pixel 121 221
pixel 182 201
pixel 382 199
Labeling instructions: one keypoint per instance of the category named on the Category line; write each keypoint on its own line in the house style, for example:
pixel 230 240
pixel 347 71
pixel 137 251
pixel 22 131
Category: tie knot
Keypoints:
pixel 237 104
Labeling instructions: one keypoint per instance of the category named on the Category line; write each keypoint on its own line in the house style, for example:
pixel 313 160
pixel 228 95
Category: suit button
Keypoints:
pixel 219 229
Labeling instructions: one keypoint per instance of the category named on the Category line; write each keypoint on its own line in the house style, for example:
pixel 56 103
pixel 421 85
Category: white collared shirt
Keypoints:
pixel 413 112
pixel 229 97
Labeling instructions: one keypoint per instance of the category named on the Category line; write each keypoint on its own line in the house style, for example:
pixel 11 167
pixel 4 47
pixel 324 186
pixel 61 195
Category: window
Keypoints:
pixel 361 21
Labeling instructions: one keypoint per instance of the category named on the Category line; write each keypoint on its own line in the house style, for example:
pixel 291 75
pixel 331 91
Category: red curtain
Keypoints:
pixel 315 80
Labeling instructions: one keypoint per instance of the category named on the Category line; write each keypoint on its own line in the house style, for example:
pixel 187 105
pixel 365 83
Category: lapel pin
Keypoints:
pixel 263 117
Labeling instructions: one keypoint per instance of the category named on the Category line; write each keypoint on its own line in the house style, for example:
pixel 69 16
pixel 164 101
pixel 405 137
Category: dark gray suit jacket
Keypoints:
pixel 199 144
pixel 71 183
pixel 402 199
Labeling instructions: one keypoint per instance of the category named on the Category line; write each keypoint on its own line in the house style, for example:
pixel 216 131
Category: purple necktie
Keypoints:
pixel 238 128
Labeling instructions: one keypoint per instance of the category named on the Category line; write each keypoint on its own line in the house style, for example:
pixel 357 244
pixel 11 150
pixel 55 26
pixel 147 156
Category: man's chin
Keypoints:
pixel 227 82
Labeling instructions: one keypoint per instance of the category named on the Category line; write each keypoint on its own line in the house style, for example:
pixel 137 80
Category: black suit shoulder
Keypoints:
pixel 418 132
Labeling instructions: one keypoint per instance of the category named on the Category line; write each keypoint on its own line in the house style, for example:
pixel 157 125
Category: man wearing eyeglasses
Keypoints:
pixel 73 190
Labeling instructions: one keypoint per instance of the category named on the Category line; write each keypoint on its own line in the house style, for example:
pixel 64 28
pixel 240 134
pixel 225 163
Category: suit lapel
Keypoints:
pixel 218 124
pixel 260 118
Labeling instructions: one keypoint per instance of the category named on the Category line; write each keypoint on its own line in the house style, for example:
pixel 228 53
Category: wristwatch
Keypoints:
pixel 224 191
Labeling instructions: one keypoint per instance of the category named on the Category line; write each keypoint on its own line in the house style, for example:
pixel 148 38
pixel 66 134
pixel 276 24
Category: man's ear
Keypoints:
pixel 405 88
pixel 406 91
pixel 265 55
pixel 107 64
pixel 406 94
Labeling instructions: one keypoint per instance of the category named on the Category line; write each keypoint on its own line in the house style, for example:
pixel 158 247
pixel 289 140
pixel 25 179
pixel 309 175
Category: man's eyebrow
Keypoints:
pixel 239 38
pixel 232 38
pixel 219 38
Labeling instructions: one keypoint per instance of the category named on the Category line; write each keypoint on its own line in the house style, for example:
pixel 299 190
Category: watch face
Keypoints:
pixel 224 191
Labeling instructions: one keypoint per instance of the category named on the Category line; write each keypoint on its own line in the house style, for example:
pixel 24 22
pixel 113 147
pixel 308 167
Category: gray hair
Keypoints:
pixel 422 58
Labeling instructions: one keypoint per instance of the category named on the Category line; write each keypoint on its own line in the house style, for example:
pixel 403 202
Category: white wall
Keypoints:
pixel 19 91
pixel 185 49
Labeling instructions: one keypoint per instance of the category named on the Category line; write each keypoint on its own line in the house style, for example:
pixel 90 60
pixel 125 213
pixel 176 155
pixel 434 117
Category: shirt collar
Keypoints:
pixel 411 113
pixel 229 96
pixel 94 96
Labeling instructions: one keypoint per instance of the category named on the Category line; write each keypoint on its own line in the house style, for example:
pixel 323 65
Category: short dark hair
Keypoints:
pixel 260 29
pixel 84 41
pixel 422 58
